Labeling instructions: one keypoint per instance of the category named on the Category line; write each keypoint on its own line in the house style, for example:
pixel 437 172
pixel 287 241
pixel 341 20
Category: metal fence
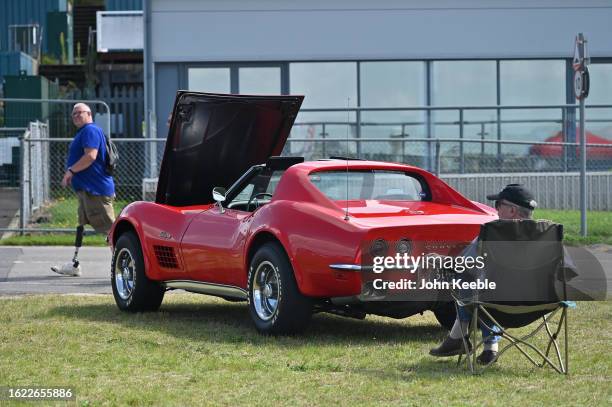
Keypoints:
pixel 553 190
pixel 17 114
pixel 126 110
pixel 45 205
pixel 463 156
pixel 34 179
pixel 44 165
pixel 472 139
pixel 467 144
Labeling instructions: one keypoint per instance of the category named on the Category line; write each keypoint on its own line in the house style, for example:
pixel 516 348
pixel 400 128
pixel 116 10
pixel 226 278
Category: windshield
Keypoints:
pixel 258 191
pixel 369 184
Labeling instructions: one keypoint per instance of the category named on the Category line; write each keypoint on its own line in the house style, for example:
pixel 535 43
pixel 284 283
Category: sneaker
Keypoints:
pixel 450 347
pixel 487 357
pixel 67 269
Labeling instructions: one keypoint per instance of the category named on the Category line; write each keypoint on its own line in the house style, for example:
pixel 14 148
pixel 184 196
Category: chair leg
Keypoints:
pixel 473 329
pixel 566 370
pixel 516 341
pixel 463 335
pixel 552 339
pixel 519 342
pixel 473 332
pixel 550 335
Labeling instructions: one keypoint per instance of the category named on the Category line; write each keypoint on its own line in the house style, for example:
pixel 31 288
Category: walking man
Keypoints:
pixel 87 174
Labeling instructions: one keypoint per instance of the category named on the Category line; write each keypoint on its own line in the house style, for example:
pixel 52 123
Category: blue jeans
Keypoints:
pixel 488 335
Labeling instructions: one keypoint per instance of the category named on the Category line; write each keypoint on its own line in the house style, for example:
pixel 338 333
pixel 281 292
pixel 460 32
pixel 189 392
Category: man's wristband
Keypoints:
pixel 71 171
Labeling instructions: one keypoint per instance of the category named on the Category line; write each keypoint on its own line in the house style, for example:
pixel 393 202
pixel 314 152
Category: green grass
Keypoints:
pixel 599 225
pixel 61 214
pixel 52 239
pixel 199 350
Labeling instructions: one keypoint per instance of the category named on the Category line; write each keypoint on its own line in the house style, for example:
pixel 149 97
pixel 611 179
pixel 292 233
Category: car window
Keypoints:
pixel 369 184
pixel 274 179
pixel 264 182
pixel 246 193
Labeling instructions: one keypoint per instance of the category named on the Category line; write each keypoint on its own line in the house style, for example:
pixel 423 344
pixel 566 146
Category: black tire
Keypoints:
pixel 446 314
pixel 292 311
pixel 143 294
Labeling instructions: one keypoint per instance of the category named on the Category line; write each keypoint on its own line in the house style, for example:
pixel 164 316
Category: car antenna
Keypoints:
pixel 348 118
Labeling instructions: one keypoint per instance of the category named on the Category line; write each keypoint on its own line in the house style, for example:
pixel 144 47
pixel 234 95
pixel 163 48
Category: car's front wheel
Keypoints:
pixel 275 302
pixel 132 289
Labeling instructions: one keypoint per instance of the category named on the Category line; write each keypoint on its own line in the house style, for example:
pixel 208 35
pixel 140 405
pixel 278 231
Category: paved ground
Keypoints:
pixel 26 270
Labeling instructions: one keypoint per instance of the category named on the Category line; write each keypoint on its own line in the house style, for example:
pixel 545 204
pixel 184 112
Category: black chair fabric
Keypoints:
pixel 524 258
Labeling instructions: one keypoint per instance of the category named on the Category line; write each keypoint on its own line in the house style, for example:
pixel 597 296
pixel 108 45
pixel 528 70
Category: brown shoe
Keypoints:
pixel 450 347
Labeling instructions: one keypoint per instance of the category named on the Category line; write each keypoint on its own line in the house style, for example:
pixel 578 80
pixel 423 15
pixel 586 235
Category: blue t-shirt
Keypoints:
pixel 94 178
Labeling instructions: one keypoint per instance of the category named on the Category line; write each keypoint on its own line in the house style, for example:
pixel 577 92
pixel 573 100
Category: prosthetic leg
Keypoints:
pixel 72 268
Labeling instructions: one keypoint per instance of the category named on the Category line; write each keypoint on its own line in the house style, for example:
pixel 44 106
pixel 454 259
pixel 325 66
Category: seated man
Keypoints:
pixel 513 202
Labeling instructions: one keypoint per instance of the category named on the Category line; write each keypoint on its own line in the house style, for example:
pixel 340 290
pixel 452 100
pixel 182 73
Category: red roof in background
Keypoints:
pixel 595 152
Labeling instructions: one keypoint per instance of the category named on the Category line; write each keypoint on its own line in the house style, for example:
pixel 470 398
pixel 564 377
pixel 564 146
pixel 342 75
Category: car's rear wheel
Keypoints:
pixel 446 314
pixel 275 302
pixel 132 289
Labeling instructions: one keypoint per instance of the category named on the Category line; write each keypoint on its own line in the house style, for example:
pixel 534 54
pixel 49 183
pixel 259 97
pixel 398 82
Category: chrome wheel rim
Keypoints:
pixel 266 290
pixel 125 274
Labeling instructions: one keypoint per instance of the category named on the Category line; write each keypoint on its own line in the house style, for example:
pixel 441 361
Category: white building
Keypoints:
pixel 385 54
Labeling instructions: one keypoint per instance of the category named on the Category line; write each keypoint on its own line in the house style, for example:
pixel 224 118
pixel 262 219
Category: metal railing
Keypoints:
pixel 554 190
pixel 357 130
pixel 481 146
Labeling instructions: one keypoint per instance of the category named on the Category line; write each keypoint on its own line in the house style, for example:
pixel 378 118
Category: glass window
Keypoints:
pixel 316 135
pixel 601 79
pixel 259 80
pixel 464 83
pixel 392 84
pixel 211 80
pixel 599 120
pixel 529 82
pixel 258 191
pixel 245 194
pixel 532 82
pixel 368 184
pixel 325 84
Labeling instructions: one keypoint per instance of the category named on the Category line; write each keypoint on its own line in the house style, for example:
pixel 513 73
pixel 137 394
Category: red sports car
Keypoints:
pixel 232 220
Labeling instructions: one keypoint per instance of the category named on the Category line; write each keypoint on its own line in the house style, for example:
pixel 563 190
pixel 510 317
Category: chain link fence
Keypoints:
pixel 464 140
pixel 466 156
pixel 435 141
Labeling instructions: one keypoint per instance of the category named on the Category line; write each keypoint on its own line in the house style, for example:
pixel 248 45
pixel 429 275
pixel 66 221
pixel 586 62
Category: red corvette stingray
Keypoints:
pixel 286 235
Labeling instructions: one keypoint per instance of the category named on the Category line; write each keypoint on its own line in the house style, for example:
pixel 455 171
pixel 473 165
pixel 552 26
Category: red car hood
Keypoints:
pixel 213 139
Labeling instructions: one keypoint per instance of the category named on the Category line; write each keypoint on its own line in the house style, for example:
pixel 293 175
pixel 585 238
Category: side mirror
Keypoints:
pixel 218 194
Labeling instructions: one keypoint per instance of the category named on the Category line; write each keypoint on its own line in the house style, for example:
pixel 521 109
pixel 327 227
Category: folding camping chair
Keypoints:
pixel 525 260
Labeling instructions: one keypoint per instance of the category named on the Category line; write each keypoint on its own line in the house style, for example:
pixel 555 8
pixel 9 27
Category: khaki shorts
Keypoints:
pixel 96 210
